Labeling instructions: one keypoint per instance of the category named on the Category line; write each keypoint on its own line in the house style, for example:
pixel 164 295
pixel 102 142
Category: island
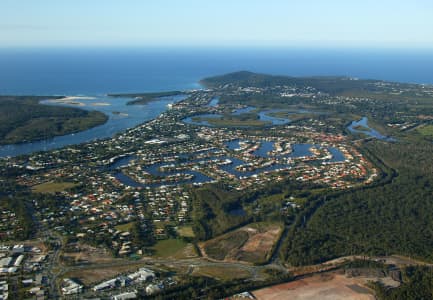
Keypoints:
pixel 144 98
pixel 255 185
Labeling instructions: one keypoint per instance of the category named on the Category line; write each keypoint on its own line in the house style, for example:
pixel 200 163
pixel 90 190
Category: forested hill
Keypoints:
pixel 23 119
pixel 332 85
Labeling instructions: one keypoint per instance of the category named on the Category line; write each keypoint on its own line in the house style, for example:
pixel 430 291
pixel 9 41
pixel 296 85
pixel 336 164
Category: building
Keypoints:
pixel 120 281
pixel 19 260
pixel 71 287
pixel 142 274
pixel 6 262
pixel 125 296
pixel 4 290
pixel 18 249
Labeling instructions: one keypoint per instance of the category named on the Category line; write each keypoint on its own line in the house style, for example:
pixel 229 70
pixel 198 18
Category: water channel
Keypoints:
pixel 120 117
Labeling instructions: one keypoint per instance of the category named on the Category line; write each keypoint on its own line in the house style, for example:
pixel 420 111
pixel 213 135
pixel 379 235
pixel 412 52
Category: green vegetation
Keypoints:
pixel 21 226
pixel 248 79
pixel 303 222
pixel 144 98
pixel 417 284
pixel 23 119
pixel 211 205
pixel 126 226
pixel 170 247
pixel 220 247
pixel 426 131
pixel 243 120
pixel 222 273
pixel 53 187
pixel 390 217
pixel 186 231
pixel 383 102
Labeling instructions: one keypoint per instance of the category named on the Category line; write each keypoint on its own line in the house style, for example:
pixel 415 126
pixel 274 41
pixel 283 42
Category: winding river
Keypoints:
pixel 367 130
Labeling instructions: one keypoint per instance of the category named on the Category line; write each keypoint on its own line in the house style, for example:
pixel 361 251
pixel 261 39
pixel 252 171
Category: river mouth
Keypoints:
pixel 120 118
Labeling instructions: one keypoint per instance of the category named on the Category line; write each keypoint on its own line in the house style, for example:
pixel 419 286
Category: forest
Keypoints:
pixel 390 218
pixel 417 285
pixel 24 119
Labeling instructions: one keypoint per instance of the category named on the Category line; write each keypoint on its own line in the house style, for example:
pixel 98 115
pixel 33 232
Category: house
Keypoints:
pixel 125 296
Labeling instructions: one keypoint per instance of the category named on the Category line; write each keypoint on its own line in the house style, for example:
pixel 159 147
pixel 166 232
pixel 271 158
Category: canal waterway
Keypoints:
pixel 235 167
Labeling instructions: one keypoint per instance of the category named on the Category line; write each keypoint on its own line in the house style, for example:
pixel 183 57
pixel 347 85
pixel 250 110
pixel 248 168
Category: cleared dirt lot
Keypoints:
pixel 252 243
pixel 82 253
pixel 328 286
pixel 95 274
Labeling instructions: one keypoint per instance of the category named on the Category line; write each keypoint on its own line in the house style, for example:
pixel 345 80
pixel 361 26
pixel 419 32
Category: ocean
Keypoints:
pixel 97 72
pixel 85 71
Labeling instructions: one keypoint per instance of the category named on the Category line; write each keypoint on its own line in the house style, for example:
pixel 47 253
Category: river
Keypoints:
pixel 367 130
pixel 120 117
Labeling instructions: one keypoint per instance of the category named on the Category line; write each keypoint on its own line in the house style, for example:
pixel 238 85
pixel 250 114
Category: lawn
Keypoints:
pixel 176 248
pixel 53 187
pixel 426 130
pixel 222 273
pixel 185 231
pixel 125 227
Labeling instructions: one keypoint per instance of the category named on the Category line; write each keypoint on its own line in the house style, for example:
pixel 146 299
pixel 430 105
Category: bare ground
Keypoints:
pixel 327 286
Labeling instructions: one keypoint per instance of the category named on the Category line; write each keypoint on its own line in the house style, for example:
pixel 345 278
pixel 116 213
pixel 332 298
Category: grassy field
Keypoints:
pixel 185 231
pixel 175 248
pixel 222 273
pixel 426 131
pixel 252 243
pixel 53 187
pixel 125 227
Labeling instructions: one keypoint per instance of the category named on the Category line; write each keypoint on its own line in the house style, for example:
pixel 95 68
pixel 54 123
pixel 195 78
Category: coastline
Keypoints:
pixel 69 100
pixel 120 117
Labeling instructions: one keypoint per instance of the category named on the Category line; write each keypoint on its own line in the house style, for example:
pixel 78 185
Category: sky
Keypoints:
pixel 226 23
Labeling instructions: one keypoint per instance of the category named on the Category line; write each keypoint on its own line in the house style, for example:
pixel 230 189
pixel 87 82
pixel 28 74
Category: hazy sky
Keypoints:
pixel 352 23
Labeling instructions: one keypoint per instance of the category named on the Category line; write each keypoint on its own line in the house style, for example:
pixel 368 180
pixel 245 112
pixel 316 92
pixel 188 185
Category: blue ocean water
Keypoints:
pixel 100 71
pixel 96 72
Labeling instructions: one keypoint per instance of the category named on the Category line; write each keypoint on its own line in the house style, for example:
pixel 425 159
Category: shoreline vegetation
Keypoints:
pixel 144 98
pixel 24 119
